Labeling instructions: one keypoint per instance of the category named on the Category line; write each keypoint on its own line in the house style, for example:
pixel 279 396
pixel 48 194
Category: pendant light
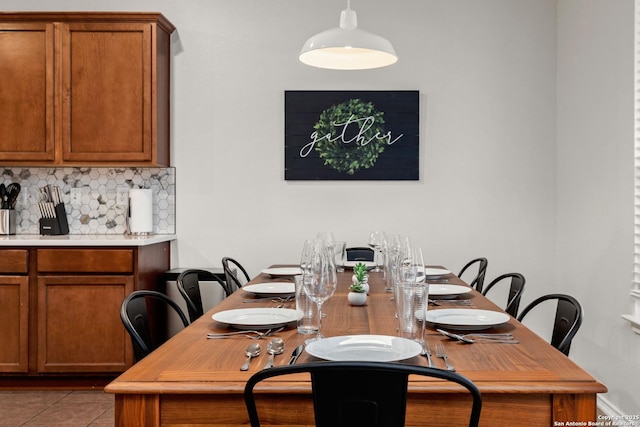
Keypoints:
pixel 347 47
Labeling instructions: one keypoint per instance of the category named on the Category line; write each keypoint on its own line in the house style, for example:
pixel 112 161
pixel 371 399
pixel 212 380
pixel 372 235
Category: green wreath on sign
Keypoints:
pixel 348 153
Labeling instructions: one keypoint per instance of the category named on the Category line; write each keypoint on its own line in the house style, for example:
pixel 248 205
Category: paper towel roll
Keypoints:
pixel 140 211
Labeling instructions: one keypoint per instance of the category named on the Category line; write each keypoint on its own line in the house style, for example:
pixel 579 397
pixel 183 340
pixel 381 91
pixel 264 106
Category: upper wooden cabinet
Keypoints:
pixel 84 89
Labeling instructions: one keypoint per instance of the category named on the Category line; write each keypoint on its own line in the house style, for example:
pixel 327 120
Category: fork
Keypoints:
pixel 441 353
pixel 254 335
pixel 426 351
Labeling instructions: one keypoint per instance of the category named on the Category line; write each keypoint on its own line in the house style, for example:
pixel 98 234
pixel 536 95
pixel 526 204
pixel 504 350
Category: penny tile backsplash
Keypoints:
pixel 102 202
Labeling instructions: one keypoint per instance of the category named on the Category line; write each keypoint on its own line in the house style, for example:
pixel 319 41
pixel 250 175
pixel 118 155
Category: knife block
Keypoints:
pixel 55 226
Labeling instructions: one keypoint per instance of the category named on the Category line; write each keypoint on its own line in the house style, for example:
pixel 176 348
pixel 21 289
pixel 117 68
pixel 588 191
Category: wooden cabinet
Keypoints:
pixel 14 310
pixel 84 89
pixel 79 328
pixel 61 307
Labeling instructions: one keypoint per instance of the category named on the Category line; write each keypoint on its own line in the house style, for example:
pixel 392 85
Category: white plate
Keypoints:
pixel 271 288
pixel 257 318
pixel 466 318
pixel 434 272
pixel 443 290
pixel 351 264
pixel 371 348
pixel 282 271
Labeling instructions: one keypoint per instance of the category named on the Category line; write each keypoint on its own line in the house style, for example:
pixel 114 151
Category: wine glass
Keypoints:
pixel 327 237
pixel 417 264
pixel 376 238
pixel 306 252
pixel 320 277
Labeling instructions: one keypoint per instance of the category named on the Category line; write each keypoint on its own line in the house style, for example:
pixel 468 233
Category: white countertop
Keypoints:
pixel 84 240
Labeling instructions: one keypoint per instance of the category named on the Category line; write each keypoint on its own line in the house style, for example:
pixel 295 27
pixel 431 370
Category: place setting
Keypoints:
pixel 282 271
pixel 278 293
pixel 257 318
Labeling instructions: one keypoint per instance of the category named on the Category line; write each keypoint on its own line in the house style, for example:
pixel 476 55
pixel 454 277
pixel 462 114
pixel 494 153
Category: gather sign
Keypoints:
pixel 363 135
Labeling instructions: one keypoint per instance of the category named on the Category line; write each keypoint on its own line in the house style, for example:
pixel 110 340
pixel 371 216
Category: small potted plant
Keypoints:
pixel 358 289
pixel 360 276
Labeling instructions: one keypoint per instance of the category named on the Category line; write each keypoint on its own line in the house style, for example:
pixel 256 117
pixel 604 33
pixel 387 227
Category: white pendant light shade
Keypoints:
pixel 347 47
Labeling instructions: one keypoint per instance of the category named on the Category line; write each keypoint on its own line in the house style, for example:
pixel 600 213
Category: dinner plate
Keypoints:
pixel 257 318
pixel 282 271
pixel 371 348
pixel 441 290
pixel 430 271
pixel 271 288
pixel 351 264
pixel 466 318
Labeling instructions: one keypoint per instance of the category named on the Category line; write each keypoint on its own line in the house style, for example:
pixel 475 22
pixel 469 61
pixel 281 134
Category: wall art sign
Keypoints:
pixel 352 135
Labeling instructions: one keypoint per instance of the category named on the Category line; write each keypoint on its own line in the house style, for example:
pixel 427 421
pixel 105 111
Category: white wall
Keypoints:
pixel 595 187
pixel 502 171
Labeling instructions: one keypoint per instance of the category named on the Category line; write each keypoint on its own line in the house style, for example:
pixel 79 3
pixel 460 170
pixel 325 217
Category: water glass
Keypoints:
pixel 310 321
pixel 412 305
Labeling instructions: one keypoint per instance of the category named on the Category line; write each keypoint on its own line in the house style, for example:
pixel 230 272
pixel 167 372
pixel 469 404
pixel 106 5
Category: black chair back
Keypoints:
pixel 189 287
pixel 567 321
pixel 516 288
pixel 233 283
pixel 478 280
pixel 360 254
pixel 359 394
pixel 134 313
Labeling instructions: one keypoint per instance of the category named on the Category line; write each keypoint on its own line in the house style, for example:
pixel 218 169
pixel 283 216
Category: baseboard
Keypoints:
pixel 607 411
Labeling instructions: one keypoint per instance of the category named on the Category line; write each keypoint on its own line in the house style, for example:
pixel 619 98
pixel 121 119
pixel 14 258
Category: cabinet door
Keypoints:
pixel 79 326
pixel 106 92
pixel 14 318
pixel 26 92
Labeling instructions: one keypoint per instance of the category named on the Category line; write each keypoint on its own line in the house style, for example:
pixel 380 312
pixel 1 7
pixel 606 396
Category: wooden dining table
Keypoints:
pixel 195 381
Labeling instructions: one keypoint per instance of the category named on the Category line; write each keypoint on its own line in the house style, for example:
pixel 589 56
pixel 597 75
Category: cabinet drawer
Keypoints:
pixel 85 260
pixel 15 261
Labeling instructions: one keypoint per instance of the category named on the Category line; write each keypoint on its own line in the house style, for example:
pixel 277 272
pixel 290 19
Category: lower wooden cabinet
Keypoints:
pixel 14 318
pixel 79 329
pixel 60 307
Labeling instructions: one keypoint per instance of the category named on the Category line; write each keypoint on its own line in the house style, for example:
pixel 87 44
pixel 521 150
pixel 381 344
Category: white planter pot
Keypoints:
pixel 357 298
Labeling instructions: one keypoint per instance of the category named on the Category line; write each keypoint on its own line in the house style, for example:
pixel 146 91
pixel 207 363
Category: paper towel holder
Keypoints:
pixel 139 218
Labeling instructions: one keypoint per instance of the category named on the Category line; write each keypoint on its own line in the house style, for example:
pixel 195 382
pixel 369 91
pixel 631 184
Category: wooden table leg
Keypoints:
pixel 574 407
pixel 137 410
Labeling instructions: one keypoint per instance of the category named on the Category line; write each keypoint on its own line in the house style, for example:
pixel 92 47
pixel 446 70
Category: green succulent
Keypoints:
pixel 360 271
pixel 357 287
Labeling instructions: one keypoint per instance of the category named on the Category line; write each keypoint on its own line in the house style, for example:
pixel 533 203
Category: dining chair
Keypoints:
pixel 516 288
pixel 189 287
pixel 478 281
pixel 358 394
pixel 233 282
pixel 134 313
pixel 567 321
pixel 360 254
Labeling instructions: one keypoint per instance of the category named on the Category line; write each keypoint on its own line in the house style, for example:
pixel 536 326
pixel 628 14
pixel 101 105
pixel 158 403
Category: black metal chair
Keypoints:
pixel 478 281
pixel 134 313
pixel 233 283
pixel 360 394
pixel 516 289
pixel 189 287
pixel 568 319
pixel 360 254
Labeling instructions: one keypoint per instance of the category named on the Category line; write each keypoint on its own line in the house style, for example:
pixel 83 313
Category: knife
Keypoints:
pixel 296 353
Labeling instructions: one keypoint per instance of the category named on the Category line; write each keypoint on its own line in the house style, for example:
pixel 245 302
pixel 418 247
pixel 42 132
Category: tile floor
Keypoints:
pixel 56 408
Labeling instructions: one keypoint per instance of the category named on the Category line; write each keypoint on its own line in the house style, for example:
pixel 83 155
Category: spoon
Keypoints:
pixel 276 346
pixel 252 351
